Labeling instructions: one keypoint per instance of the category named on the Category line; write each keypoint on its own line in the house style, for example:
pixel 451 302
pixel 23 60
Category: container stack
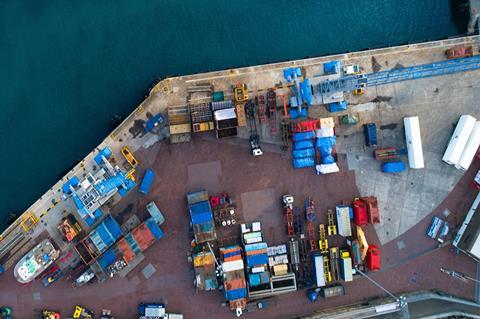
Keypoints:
pixel 278 259
pixel 179 124
pixel 201 216
pixel 204 267
pixel 234 277
pixel 225 122
pixel 345 266
pixel 303 152
pixel 324 144
pixel 343 220
pixel 202 117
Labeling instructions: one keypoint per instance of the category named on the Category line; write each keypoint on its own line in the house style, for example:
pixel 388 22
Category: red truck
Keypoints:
pixel 459 52
pixel 360 216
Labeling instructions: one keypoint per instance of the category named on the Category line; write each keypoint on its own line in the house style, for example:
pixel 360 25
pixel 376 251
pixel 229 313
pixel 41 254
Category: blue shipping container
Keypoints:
pixel 254 279
pixel 107 259
pixel 303 162
pixel 147 181
pixel 370 131
pixel 257 246
pixel 393 167
pixel 300 136
pixel 113 227
pixel 300 145
pixel 308 152
pixel 254 260
pixel 154 228
pixel 236 294
pixel 337 106
pixel 201 212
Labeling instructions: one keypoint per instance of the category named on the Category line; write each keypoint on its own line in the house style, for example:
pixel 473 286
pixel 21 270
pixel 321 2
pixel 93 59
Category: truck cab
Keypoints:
pixel 255 147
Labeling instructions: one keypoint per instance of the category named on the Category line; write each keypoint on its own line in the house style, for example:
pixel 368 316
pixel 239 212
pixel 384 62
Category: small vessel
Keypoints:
pixel 35 261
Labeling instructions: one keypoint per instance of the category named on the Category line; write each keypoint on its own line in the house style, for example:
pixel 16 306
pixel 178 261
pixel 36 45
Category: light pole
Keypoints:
pixel 401 300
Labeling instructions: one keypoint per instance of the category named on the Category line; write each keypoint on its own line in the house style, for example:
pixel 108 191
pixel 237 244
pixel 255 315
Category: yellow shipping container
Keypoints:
pixel 180 129
pixel 280 270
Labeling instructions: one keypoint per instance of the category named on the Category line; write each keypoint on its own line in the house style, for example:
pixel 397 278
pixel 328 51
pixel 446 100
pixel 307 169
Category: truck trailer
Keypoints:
pixel 414 142
pixel 459 139
pixel 470 149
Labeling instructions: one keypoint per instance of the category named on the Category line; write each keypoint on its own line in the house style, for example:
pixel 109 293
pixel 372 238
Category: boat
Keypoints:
pixel 35 261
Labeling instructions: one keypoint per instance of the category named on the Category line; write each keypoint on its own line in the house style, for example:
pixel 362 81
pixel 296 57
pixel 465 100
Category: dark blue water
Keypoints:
pixel 66 67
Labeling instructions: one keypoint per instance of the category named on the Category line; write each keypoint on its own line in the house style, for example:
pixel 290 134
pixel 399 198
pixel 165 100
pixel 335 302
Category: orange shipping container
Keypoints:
pixel 235 284
pixel 143 236
pixel 127 252
pixel 256 252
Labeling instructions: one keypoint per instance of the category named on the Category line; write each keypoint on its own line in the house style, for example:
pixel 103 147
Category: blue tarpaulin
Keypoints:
pixel 201 212
pixel 72 181
pixel 329 159
pixel 303 162
pixel 154 228
pixel 107 259
pixel 332 67
pixel 236 294
pixel 308 152
pixel 393 167
pixel 294 114
pixel 325 145
pixel 110 184
pixel 105 152
pixel 289 74
pixel 306 90
pixel 300 136
pixel 254 260
pixel 300 145
pixel 337 106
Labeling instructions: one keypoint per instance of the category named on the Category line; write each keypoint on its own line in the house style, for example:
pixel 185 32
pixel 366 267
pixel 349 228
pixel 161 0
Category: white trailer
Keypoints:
pixel 319 270
pixel 414 142
pixel 470 148
pixel 459 139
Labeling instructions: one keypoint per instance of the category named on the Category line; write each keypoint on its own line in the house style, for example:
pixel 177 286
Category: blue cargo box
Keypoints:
pixel 308 152
pixel 337 106
pixel 236 294
pixel 303 162
pixel 201 212
pixel 256 246
pixel 154 228
pixel 370 131
pixel 147 181
pixel 254 280
pixel 300 145
pixel 393 167
pixel 332 67
pixel 301 136
pixel 254 260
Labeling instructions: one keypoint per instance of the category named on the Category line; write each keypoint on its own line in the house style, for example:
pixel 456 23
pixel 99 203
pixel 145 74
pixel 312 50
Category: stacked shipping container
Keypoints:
pixel 324 144
pixel 201 216
pixel 234 277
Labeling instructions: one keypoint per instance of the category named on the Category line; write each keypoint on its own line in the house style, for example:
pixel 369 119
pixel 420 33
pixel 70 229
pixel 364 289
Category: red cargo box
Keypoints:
pixel 143 236
pixel 373 258
pixel 235 284
pixel 128 254
pixel 360 216
pixel 304 126
pixel 459 52
pixel 372 208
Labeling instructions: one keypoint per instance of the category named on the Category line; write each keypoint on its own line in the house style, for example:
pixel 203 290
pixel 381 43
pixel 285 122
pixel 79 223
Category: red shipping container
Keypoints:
pixel 360 216
pixel 143 236
pixel 373 258
pixel 235 284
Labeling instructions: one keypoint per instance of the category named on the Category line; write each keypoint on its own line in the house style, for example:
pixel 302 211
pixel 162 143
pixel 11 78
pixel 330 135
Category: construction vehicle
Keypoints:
pixel 288 206
pixel 260 101
pixel 459 52
pixel 127 154
pixel 153 122
pixel 240 93
pixel 83 313
pixel 48 314
pixel 254 138
pixel 51 276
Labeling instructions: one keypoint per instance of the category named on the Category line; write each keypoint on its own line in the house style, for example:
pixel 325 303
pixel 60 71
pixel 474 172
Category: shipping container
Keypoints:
pixel 337 106
pixel 373 258
pixel 343 221
pixel 203 127
pixel 180 129
pixel 372 208
pixel 303 162
pixel 360 213
pixel 414 142
pixel 346 269
pixel 370 132
pixel 147 181
pixel 143 236
pixel 154 228
pixel 127 252
pixel 153 210
pixel 459 139
pixel 470 149
pixel 324 132
pixel 221 105
pixel 318 270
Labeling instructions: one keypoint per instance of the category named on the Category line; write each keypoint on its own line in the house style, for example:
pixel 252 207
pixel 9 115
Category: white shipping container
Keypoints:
pixel 232 265
pixel 470 149
pixel 459 139
pixel 343 221
pixel 414 142
pixel 319 271
pixel 346 264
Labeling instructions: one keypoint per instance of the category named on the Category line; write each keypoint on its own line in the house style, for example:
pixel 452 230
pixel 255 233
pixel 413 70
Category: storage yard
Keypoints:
pixel 279 186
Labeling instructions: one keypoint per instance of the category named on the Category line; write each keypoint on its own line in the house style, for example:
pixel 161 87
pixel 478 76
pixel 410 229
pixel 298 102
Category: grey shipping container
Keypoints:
pixel 332 291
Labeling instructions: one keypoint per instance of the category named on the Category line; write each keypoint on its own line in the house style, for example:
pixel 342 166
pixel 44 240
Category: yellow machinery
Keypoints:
pixel 331 228
pixel 359 91
pixel 131 174
pixel 322 242
pixel 82 313
pixel 326 269
pixel 29 221
pixel 362 240
pixel 240 93
pixel 129 156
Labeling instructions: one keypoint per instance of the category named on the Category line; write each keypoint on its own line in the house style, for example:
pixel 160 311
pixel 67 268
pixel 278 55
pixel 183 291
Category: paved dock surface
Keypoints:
pixel 410 260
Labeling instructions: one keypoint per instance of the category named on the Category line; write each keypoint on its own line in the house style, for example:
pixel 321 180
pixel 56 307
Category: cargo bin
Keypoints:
pixel 147 182
pixel 143 236
pixel 226 132
pixel 154 229
pixel 346 269
pixel 360 213
pixel 370 131
pixel 373 258
pixel 393 167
